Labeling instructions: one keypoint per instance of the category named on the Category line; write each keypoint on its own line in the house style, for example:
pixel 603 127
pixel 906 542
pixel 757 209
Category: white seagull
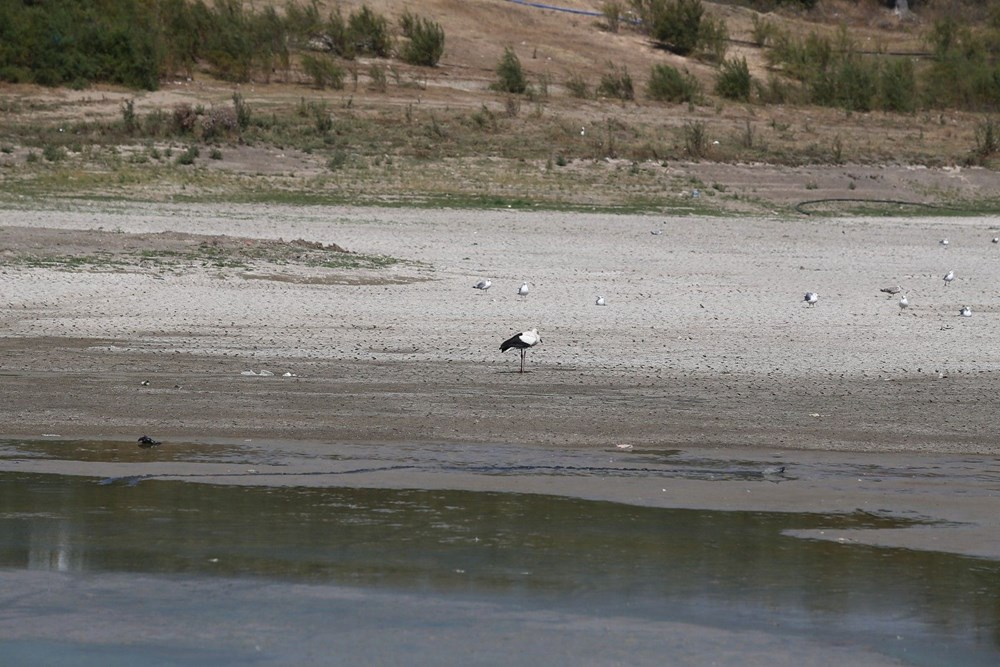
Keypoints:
pixel 811 298
pixel 948 277
pixel 522 342
pixel 523 290
pixel 903 304
pixel 483 285
pixel 996 239
pixel 965 312
pixel 600 301
pixel 944 242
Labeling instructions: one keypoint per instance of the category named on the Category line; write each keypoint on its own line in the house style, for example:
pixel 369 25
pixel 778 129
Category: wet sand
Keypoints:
pixel 705 345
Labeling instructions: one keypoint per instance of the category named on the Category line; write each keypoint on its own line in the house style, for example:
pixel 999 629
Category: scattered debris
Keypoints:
pixel 146 442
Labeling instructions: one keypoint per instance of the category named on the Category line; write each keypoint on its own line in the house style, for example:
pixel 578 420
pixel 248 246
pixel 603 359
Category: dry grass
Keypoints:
pixel 440 135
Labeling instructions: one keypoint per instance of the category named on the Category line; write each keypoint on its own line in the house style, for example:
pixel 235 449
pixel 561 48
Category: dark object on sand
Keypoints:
pixel 146 442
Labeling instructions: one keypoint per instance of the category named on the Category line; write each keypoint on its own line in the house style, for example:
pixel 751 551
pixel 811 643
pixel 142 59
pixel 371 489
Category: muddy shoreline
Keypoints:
pixel 705 344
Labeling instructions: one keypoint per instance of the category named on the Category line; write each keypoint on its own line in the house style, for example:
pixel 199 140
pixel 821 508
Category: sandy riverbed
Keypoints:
pixel 705 341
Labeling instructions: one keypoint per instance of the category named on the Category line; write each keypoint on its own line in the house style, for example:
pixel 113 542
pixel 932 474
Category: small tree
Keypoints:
pixel 426 45
pixel 510 74
pixel 898 86
pixel 369 33
pixel 734 81
pixel 668 84
pixel 677 23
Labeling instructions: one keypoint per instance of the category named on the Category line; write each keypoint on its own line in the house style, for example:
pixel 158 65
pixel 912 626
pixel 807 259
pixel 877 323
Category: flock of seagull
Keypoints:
pixel 812 298
pixel 528 339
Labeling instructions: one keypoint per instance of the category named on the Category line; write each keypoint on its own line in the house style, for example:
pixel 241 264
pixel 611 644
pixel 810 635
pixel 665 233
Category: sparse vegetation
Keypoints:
pixel 987 141
pixel 510 74
pixel 695 139
pixel 668 84
pixel 424 145
pixel 617 83
pixel 324 71
pixel 613 11
pixel 578 87
pixel 426 41
pixel 368 33
pixel 734 81
pixel 675 23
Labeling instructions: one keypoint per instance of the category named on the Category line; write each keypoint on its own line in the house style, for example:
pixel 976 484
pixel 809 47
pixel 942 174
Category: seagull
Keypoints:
pixel 944 242
pixel 146 442
pixel 656 232
pixel 483 285
pixel 522 342
pixel 811 298
pixel 891 290
pixel 965 312
pixel 903 304
pixel 948 277
pixel 523 290
pixel 996 239
pixel 600 301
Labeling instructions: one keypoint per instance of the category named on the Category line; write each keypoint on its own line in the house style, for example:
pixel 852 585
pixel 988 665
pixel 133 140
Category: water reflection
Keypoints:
pixel 605 558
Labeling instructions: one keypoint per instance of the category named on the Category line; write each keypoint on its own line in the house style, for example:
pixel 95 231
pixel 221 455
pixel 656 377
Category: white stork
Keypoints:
pixel 522 342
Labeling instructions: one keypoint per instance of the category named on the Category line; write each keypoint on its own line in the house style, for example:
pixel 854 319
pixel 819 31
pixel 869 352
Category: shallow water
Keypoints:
pixel 430 572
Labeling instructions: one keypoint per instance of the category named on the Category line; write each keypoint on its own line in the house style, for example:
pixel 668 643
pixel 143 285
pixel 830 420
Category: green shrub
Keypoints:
pixel 337 160
pixel 484 119
pixel 734 81
pixel 376 74
pixel 668 84
pixel 510 75
pixel 695 139
pixel 856 84
pixel 677 23
pixel 242 111
pixel 324 71
pixel 426 45
pixel 129 119
pixel 763 31
pixel 368 33
pixel 616 83
pixel 987 141
pixel 898 86
pixel 53 153
pixel 963 73
pixel 713 39
pixel 612 10
pixel 188 156
pixel 577 87
pixel 66 42
pixel 322 119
